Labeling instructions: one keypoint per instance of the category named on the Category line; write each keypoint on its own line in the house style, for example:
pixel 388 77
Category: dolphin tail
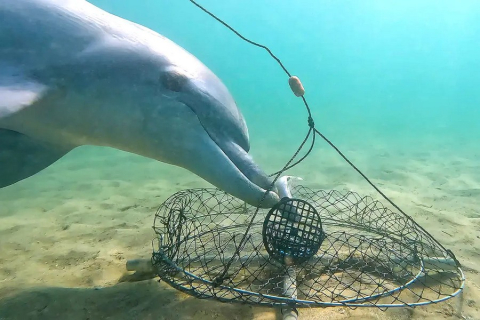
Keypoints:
pixel 22 156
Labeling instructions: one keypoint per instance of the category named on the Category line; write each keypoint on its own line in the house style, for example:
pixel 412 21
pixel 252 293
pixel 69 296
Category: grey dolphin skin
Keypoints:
pixel 72 74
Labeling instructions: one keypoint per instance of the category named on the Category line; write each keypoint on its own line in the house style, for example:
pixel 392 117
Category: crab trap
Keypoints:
pixel 314 248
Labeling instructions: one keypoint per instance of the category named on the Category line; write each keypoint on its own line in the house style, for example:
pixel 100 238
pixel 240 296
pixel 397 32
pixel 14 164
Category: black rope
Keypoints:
pixel 238 34
pixel 288 165
pixel 302 158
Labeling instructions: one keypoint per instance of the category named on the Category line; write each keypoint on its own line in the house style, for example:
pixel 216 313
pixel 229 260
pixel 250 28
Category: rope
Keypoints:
pixel 288 165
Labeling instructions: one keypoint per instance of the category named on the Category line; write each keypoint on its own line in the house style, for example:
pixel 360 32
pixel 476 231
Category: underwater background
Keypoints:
pixel 394 85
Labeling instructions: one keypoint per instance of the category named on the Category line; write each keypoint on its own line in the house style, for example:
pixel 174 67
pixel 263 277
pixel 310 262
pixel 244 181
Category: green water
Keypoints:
pixel 407 72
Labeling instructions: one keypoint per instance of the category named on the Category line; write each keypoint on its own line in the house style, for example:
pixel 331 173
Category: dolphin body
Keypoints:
pixel 72 74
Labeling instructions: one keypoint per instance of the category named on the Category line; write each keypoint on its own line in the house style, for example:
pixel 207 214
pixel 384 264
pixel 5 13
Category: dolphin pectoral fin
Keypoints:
pixel 17 92
pixel 22 156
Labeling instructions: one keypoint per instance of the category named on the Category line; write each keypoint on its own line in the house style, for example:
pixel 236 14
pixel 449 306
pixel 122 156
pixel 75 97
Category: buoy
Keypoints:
pixel 296 86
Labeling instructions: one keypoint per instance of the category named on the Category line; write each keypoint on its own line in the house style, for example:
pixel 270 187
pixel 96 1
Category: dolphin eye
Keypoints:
pixel 173 80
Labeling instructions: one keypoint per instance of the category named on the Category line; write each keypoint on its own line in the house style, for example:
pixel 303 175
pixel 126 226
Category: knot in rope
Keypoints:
pixel 311 123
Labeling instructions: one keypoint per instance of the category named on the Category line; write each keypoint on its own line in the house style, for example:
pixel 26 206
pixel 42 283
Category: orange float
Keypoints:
pixel 296 86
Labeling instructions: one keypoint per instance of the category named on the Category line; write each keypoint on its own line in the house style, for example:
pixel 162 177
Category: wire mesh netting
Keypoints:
pixel 355 251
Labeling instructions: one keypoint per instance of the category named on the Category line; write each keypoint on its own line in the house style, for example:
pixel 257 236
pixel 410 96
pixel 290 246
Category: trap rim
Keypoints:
pixel 298 303
pixel 161 262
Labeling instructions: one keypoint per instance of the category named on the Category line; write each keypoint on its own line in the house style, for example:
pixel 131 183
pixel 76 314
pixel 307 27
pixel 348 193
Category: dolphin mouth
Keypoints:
pixel 247 180
pixel 238 155
pixel 247 167
pixel 245 164
pixel 253 177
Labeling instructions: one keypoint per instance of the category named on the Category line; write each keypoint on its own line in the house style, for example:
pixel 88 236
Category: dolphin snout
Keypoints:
pixel 245 163
pixel 230 168
pixel 235 172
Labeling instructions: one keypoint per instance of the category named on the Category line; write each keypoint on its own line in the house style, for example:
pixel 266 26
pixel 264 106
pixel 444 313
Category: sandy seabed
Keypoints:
pixel 67 232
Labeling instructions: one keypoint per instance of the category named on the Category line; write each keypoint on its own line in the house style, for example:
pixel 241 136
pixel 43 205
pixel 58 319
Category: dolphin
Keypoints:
pixel 72 74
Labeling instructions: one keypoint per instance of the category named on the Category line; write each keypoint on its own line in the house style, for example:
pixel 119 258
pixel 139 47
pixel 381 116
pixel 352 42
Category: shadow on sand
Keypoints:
pixel 130 300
